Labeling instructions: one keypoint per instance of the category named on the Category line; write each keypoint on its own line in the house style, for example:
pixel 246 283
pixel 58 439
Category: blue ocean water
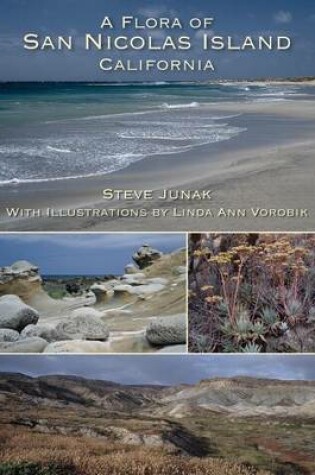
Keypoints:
pixel 53 131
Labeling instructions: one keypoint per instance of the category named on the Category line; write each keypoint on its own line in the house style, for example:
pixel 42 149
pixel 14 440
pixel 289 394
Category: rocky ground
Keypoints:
pixel 143 310
pixel 216 426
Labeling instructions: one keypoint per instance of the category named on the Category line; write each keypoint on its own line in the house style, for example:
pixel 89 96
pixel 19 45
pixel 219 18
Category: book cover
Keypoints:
pixel 140 116
pixel 157 248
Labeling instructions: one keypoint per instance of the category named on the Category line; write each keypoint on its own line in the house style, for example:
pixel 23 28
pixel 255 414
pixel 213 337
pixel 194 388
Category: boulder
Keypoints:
pixel 78 346
pixel 8 335
pixel 146 255
pixel 167 330
pixel 83 324
pixel 15 314
pixel 131 269
pixel 45 331
pixel 24 345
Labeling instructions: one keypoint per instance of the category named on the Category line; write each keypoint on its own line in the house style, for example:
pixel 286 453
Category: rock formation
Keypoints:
pixel 167 330
pixel 146 255
pixel 84 324
pixel 21 279
pixel 15 314
pixel 112 313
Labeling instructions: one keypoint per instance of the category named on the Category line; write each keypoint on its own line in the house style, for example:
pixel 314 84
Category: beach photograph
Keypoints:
pixel 139 148
pixel 214 415
pixel 252 293
pixel 100 293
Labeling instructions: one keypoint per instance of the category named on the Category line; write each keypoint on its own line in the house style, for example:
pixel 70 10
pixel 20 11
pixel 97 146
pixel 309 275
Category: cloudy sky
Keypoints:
pixel 163 369
pixel 76 17
pixel 81 253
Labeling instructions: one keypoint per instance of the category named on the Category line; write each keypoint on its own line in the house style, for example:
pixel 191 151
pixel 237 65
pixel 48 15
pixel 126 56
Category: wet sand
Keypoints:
pixel 270 166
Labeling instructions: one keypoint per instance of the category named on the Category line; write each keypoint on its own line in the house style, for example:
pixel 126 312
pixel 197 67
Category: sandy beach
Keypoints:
pixel 268 167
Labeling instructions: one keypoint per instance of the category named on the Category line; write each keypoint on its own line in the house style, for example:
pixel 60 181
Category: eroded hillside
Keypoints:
pixel 267 424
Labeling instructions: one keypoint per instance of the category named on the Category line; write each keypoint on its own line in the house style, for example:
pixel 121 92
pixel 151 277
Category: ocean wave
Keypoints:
pixel 73 151
pixel 128 84
pixel 100 116
pixel 60 150
pixel 165 105
pixel 199 135
pixel 124 157
pixel 271 99
pixel 39 166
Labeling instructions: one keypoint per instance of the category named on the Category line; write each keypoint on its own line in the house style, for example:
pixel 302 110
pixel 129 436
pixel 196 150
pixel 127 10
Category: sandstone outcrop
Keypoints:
pixel 102 292
pixel 78 346
pixel 21 279
pixel 108 314
pixel 131 269
pixel 146 255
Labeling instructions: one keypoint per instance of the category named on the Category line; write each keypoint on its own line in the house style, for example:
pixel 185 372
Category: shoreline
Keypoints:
pixel 269 165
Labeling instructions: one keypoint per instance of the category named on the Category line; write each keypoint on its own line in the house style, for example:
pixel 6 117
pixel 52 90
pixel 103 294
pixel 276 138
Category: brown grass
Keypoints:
pixel 91 456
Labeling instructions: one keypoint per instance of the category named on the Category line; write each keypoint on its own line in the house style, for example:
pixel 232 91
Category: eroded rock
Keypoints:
pixel 84 324
pixel 15 314
pixel 131 269
pixel 146 255
pixel 8 335
pixel 78 346
pixel 167 330
pixel 102 292
pixel 48 332
pixel 21 279
pixel 173 349
pixel 24 345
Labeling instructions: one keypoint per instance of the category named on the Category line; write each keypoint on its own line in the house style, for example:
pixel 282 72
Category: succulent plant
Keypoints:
pixel 259 331
pixel 269 316
pixel 294 311
pixel 243 327
pixel 283 327
pixel 222 309
pixel 229 347
pixel 251 348
pixel 203 344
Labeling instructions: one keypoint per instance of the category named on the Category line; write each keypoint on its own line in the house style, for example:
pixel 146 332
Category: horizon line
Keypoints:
pixel 161 82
